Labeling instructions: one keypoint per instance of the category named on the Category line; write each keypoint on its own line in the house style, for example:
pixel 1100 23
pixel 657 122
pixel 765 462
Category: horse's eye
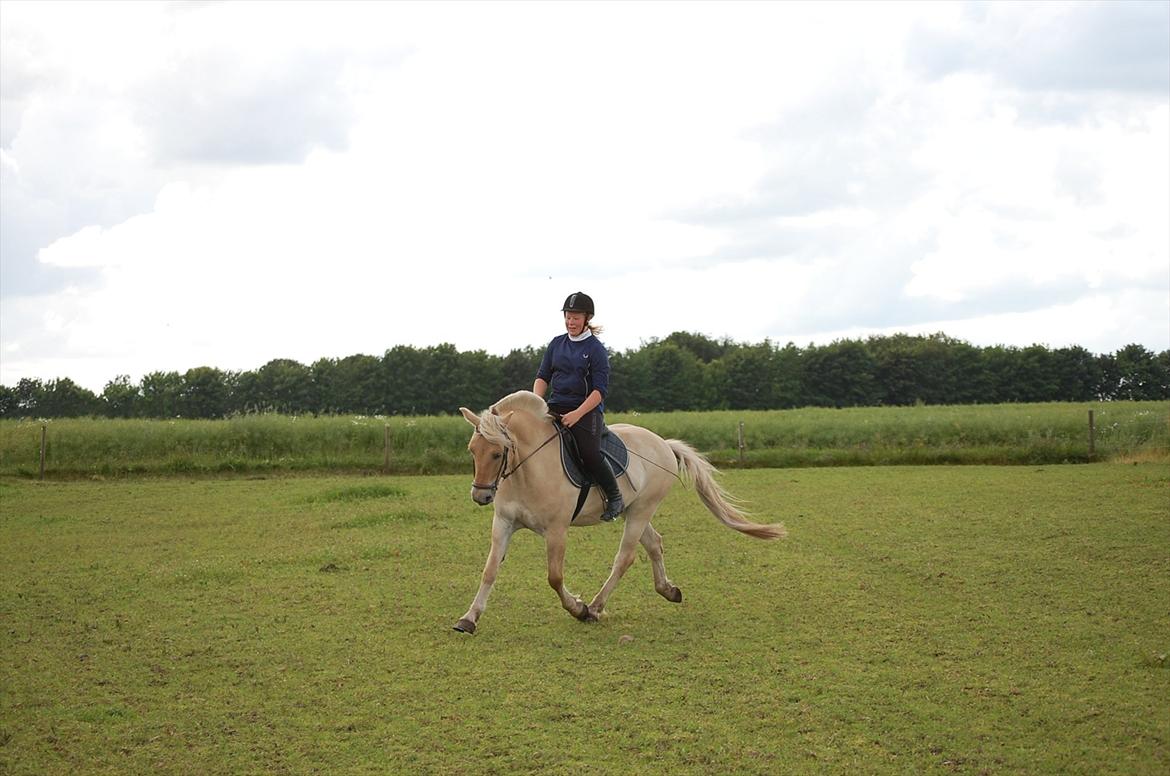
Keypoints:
pixel 496 455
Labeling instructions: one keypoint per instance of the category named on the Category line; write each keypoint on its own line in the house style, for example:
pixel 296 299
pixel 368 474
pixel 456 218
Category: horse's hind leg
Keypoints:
pixel 652 541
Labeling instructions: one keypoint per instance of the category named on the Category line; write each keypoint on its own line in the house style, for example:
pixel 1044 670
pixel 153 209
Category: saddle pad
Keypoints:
pixel 612 448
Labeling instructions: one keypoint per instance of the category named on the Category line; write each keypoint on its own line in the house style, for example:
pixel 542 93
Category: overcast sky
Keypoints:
pixel 221 184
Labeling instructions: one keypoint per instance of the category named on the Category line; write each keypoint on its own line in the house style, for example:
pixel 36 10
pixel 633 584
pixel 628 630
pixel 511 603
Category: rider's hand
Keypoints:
pixel 569 419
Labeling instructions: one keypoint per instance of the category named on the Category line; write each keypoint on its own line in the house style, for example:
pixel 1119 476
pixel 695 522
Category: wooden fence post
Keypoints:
pixel 44 433
pixel 741 444
pixel 1092 436
pixel 386 449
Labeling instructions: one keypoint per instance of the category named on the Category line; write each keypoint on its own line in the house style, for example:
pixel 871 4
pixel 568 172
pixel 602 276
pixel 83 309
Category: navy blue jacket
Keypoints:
pixel 573 370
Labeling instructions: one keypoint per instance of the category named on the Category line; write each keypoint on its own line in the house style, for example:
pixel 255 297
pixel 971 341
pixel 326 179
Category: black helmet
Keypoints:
pixel 578 303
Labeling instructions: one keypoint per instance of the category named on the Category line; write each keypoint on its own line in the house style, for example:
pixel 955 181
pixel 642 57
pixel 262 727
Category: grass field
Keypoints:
pixel 917 620
pixel 989 434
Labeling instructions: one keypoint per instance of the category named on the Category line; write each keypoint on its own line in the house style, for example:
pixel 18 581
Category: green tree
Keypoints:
pixel 626 379
pixel 704 348
pixel 839 375
pixel 353 384
pixel 934 369
pixel 29 394
pixel 455 379
pixel 442 372
pixel 282 385
pixel 961 369
pixel 1139 374
pixel 204 393
pixel 899 368
pixel 161 392
pixel 1001 377
pixel 1162 370
pixel 684 371
pixel 676 377
pixel 662 378
pixel 405 381
pixel 757 377
pixel 64 398
pixel 246 396
pixel 1108 377
pixel 122 398
pixel 8 403
pixel 788 366
pixel 1077 374
pixel 518 370
pixel 1039 378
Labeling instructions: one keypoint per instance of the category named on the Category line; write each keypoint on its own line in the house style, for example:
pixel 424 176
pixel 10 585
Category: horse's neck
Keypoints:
pixel 529 431
pixel 532 439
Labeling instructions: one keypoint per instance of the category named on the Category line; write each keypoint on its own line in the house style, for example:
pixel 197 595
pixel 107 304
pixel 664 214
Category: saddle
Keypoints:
pixel 613 450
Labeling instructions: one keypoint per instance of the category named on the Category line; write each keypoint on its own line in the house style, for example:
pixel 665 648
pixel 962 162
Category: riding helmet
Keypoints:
pixel 578 302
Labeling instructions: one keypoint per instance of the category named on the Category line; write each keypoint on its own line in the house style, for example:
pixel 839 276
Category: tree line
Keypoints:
pixel 684 371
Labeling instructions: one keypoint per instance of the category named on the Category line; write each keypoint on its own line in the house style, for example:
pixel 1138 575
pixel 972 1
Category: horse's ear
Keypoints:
pixel 504 421
pixel 471 417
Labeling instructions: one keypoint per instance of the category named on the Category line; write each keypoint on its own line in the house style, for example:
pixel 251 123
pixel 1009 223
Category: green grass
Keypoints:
pixel 266 444
pixel 918 619
pixel 995 434
pixel 240 445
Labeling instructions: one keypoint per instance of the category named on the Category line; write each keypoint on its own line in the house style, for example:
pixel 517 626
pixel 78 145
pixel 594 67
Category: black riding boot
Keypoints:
pixel 614 505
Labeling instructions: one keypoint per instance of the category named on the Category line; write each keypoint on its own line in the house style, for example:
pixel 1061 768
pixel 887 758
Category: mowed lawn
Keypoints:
pixel 918 619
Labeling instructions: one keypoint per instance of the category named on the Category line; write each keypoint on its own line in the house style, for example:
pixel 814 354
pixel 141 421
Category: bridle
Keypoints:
pixel 503 474
pixel 500 475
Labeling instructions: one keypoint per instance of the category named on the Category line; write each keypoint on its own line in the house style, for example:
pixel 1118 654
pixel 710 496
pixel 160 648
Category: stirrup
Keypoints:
pixel 613 509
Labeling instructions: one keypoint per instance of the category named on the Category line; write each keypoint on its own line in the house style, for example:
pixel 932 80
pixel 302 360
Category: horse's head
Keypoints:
pixel 489 447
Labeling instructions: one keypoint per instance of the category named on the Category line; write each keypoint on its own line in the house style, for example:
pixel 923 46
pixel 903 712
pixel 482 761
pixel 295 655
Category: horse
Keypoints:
pixel 518 469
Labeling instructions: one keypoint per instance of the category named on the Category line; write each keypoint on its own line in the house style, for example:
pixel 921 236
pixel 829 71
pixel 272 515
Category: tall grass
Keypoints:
pixel 987 434
pixel 249 443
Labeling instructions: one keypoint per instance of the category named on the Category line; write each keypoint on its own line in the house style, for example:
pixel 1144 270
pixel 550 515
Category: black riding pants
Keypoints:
pixel 587 433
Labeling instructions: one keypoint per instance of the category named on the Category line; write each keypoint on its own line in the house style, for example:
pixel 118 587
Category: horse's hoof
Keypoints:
pixel 465 626
pixel 586 615
pixel 674 596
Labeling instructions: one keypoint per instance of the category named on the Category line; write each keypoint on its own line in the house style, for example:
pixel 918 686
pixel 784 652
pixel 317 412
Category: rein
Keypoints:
pixel 503 474
pixel 674 474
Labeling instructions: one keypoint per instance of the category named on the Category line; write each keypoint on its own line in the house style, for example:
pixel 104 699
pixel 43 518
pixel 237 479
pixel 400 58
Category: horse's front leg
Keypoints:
pixel 554 539
pixel 502 531
pixel 636 522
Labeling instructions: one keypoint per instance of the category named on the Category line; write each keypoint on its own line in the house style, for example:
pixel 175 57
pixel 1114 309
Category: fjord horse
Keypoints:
pixel 518 469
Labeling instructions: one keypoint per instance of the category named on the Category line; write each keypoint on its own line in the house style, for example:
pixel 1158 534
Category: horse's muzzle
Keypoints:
pixel 482 496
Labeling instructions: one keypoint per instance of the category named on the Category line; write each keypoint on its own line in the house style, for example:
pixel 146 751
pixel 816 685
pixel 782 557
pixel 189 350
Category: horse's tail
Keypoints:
pixel 693 466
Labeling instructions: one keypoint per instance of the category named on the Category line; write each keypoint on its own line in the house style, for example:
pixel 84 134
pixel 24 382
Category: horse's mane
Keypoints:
pixel 522 400
pixel 490 425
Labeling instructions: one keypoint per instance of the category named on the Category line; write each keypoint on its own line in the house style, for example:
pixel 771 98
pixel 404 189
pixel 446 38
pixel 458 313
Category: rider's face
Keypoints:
pixel 574 323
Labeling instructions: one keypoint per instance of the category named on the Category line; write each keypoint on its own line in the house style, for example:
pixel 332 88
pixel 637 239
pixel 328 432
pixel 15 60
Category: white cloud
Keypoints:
pixel 1095 322
pixel 222 184
pixel 1005 210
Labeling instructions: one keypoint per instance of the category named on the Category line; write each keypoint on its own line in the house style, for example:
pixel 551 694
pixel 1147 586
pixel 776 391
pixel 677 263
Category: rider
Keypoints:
pixel 576 367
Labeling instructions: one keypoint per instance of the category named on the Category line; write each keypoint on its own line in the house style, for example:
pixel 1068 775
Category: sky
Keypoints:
pixel 222 184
